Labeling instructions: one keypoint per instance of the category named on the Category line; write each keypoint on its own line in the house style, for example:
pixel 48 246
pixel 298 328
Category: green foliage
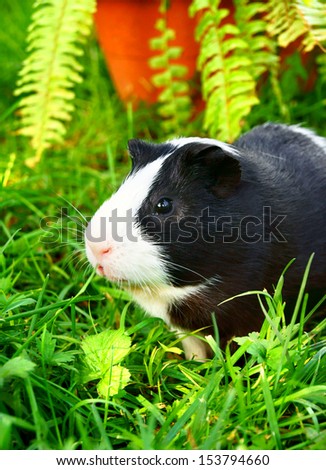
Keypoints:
pixel 289 20
pixel 269 394
pixel 252 26
pixel 321 60
pixel 238 47
pixel 174 101
pixel 228 86
pixel 46 346
pixel 51 69
pixel 16 367
pixel 103 352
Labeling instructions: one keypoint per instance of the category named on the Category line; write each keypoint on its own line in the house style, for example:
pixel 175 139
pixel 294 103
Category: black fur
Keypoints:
pixel 276 176
pixel 142 153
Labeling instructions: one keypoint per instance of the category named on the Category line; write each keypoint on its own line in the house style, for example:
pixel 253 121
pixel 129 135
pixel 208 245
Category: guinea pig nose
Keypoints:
pixel 98 249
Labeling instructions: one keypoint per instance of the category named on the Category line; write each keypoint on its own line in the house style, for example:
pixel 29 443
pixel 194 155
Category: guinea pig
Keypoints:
pixel 198 221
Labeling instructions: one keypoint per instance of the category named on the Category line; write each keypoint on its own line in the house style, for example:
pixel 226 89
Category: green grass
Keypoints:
pixel 269 394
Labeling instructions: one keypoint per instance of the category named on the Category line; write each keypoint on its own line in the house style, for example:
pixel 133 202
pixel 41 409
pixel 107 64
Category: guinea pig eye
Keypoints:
pixel 164 206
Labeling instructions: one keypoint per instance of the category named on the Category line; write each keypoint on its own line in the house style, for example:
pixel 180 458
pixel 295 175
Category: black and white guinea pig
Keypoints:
pixel 198 221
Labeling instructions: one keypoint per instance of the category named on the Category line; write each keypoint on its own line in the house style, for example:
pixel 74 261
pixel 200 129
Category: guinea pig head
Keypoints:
pixel 152 231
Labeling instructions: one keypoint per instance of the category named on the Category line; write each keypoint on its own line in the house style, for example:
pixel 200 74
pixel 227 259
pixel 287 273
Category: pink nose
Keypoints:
pixel 99 249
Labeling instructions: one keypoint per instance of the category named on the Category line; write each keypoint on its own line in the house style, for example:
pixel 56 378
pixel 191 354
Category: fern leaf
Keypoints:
pixel 314 17
pixel 253 26
pixel 262 48
pixel 174 101
pixel 51 69
pixel 227 83
pixel 283 21
pixel 290 19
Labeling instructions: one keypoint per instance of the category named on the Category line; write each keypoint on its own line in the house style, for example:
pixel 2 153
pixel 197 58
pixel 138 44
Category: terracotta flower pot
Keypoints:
pixel 124 28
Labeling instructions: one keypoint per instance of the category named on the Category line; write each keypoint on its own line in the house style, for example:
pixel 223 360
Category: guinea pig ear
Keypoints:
pixel 223 168
pixel 136 148
pixel 140 153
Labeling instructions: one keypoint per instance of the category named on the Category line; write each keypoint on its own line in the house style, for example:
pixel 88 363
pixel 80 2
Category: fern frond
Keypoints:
pixel 253 26
pixel 250 18
pixel 290 19
pixel 174 100
pixel 228 86
pixel 314 16
pixel 51 69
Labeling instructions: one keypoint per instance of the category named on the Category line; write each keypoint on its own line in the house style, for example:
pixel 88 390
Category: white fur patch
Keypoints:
pixel 180 142
pixel 194 348
pixel 113 227
pixel 135 189
pixel 316 139
pixel 156 301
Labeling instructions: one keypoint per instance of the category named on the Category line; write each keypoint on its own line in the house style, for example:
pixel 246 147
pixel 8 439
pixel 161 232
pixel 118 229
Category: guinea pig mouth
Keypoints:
pixel 100 271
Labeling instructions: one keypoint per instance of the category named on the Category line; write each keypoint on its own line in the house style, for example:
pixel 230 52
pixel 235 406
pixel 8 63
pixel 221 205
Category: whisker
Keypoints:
pixel 74 258
pixel 76 221
pixel 180 266
pixel 73 206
